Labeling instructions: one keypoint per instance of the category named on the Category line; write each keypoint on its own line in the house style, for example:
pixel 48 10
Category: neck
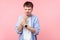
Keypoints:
pixel 29 15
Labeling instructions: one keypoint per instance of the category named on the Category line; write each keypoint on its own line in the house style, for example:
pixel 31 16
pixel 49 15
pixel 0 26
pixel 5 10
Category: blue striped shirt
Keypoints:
pixel 34 24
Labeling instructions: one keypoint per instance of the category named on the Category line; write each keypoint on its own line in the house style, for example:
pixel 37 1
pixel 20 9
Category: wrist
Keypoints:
pixel 25 25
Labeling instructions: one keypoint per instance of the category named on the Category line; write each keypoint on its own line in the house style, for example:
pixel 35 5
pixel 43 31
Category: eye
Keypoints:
pixel 25 9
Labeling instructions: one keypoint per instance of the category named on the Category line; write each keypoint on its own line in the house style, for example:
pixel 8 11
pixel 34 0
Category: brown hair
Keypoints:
pixel 28 4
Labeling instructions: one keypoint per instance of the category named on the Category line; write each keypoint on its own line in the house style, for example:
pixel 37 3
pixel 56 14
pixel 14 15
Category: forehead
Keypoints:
pixel 27 7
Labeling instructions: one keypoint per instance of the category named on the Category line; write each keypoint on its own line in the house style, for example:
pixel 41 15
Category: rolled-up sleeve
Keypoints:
pixel 36 26
pixel 17 25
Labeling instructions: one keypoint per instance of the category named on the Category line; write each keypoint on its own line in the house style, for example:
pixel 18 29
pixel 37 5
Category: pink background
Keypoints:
pixel 48 12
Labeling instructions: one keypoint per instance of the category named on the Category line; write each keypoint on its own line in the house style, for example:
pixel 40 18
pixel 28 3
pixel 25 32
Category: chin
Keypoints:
pixel 27 15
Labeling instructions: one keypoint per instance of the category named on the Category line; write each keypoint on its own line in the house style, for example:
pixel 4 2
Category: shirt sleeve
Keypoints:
pixel 36 26
pixel 17 25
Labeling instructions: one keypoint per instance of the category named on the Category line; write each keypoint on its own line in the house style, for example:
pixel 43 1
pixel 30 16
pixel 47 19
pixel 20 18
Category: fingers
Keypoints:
pixel 25 17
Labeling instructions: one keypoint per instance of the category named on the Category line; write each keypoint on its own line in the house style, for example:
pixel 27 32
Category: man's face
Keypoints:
pixel 28 10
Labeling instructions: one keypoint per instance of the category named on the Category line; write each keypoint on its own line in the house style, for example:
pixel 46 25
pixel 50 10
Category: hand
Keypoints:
pixel 25 17
pixel 24 20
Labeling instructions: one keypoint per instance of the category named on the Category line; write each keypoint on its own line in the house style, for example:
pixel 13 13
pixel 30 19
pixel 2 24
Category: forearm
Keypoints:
pixel 23 22
pixel 31 29
pixel 20 28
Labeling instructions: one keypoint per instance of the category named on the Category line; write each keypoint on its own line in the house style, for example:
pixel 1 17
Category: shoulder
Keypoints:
pixel 34 16
pixel 20 17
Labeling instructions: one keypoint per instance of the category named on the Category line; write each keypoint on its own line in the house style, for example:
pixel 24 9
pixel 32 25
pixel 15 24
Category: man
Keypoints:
pixel 27 26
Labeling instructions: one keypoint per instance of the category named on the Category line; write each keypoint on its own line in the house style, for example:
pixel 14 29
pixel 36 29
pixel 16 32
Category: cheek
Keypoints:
pixel 25 10
pixel 30 10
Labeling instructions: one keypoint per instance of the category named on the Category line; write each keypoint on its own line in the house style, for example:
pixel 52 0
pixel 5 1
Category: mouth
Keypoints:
pixel 27 12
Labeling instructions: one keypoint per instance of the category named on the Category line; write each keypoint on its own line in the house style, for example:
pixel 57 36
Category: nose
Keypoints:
pixel 27 10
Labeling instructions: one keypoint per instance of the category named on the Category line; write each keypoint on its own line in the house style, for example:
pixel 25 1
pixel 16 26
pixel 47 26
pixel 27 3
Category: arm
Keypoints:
pixel 31 29
pixel 20 23
pixel 35 30
pixel 18 26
